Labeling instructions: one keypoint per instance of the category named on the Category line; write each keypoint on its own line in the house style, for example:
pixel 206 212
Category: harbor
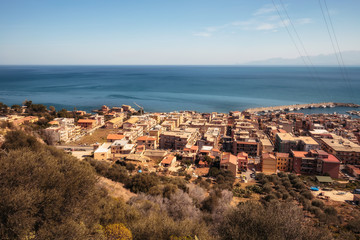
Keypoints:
pixel 297 107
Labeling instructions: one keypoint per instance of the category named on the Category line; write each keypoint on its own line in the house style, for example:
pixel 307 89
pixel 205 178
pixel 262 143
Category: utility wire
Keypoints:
pixel 337 51
pixel 307 55
pixel 295 44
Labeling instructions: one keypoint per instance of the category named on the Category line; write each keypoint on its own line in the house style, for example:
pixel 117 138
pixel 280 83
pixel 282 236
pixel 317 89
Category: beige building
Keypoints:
pixel 147 141
pixel 283 161
pixel 103 152
pixel 229 162
pixel 268 163
pixel 266 145
pixel 345 150
pixel 114 123
pixel 177 140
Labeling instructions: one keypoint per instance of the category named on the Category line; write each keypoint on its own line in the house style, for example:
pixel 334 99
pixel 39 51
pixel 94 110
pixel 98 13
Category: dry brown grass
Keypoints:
pixel 99 135
pixel 116 189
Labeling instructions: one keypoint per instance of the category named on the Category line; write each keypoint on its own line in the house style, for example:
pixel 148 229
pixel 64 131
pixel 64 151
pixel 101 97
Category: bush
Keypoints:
pixel 187 177
pixel 19 140
pixel 255 189
pixel 330 211
pixel 315 210
pixel 259 176
pixel 286 184
pixel 254 221
pixel 270 197
pixel 142 182
pixel 117 173
pixel 285 196
pixel 117 231
pixel 267 188
pixel 307 194
pixel 47 194
pixel 317 203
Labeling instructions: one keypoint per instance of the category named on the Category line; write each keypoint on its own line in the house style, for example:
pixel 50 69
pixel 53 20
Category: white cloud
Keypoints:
pixel 266 26
pixel 263 19
pixel 202 34
pixel 264 10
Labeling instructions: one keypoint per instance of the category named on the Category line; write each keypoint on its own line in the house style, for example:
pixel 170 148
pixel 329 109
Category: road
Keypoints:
pixel 78 151
pixel 75 147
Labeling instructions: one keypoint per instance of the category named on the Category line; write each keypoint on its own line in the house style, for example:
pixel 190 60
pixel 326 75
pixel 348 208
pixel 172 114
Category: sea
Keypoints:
pixel 176 88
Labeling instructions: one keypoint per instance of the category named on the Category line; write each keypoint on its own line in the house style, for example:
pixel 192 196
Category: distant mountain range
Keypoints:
pixel 349 57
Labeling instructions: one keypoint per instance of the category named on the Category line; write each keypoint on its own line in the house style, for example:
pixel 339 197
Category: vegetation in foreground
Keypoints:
pixel 47 194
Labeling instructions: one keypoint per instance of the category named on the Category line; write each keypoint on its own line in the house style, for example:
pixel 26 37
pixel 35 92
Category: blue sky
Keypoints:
pixel 168 31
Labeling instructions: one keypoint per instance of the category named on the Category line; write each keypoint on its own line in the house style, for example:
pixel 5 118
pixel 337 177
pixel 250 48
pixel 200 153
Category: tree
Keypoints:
pixel 52 109
pixel 27 103
pixel 18 140
pixel 16 108
pixel 3 108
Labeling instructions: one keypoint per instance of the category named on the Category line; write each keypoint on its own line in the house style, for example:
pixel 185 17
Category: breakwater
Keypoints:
pixel 296 107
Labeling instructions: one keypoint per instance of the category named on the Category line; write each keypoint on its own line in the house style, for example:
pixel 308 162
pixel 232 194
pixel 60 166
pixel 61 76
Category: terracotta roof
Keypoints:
pixel 284 155
pixel 168 159
pixel 242 154
pixel 228 158
pixel 146 138
pixel 331 159
pixel 299 154
pixel 114 137
pixel 54 123
pixel 86 121
pixel 355 169
pixel 194 148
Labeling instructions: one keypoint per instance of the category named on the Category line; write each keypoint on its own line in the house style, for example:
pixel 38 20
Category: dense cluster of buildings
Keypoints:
pixel 277 141
pixel 289 142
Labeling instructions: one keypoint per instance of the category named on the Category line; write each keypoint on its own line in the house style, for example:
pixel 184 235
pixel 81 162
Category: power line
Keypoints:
pixel 307 55
pixel 337 51
pixel 296 46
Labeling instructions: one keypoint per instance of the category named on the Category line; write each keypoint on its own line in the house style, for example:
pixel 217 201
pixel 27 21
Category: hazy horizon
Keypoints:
pixel 171 33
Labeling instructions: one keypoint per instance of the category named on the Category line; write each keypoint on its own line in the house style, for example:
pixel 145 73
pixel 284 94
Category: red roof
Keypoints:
pixel 284 155
pixel 194 148
pixel 115 137
pixel 146 138
pixel 282 131
pixel 242 154
pixel 299 154
pixel 168 159
pixel 331 159
pixel 86 121
pixel 354 169
pixel 228 158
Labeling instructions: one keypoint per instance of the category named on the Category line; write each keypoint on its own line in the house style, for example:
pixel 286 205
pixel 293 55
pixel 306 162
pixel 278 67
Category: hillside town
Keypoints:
pixel 224 160
pixel 318 144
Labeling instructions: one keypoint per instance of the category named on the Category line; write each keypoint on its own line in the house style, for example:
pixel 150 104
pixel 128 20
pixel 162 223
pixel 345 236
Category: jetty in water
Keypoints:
pixel 296 107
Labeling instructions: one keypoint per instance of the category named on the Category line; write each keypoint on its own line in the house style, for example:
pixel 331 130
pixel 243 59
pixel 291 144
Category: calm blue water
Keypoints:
pixel 169 88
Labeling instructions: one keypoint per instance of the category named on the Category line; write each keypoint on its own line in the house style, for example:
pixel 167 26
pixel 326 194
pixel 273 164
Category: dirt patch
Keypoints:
pixel 340 196
pixel 116 189
pixel 99 135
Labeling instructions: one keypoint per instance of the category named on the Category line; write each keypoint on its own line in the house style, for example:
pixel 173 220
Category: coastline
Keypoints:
pixel 295 107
